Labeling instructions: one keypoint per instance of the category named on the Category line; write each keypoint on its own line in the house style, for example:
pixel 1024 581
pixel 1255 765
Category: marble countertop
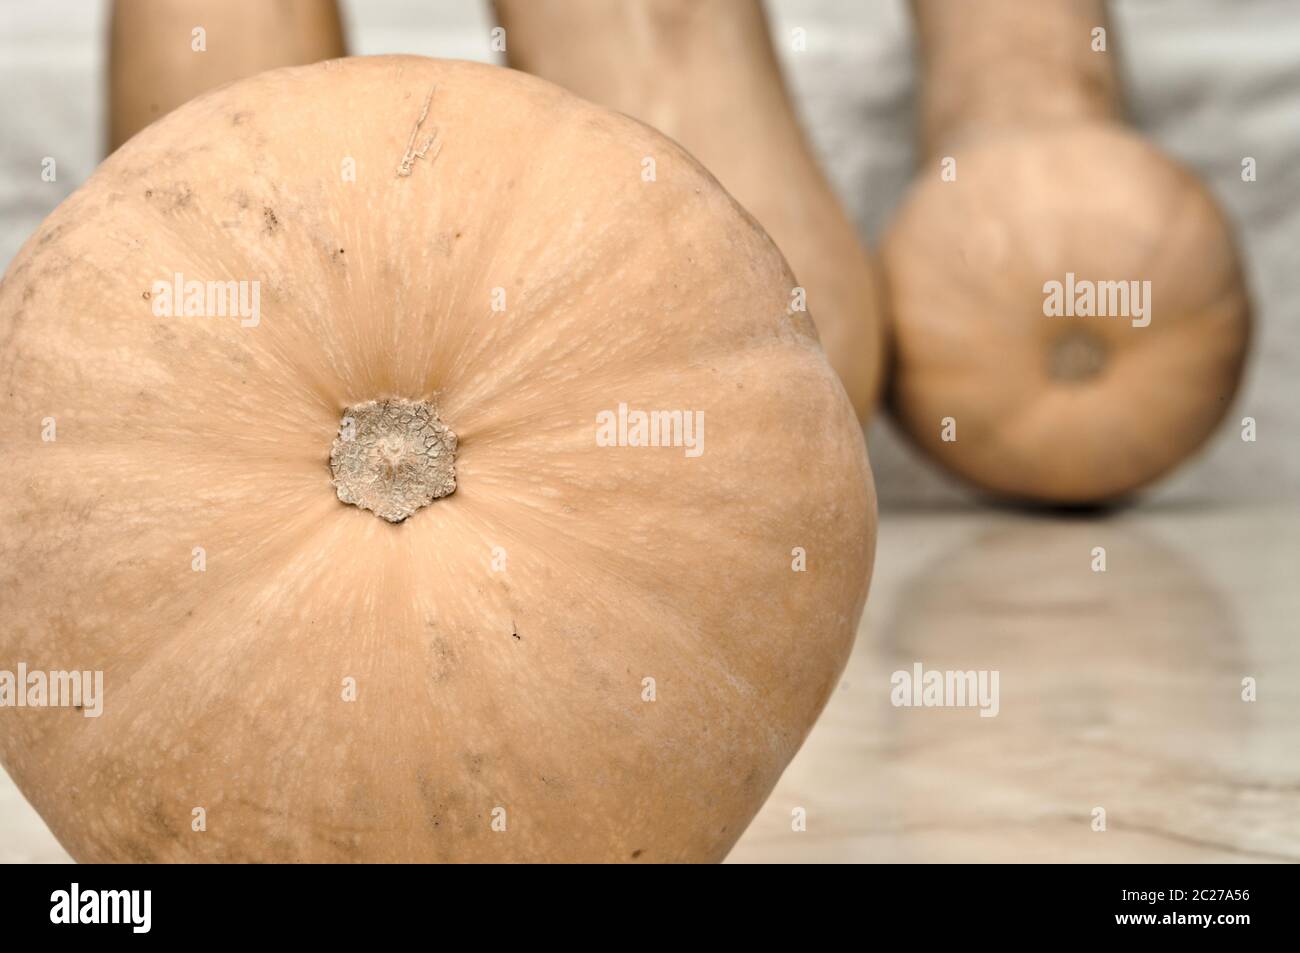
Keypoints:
pixel 1119 690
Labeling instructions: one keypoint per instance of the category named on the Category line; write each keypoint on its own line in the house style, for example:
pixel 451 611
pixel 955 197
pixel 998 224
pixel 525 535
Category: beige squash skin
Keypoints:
pixel 1047 182
pixel 153 67
pixel 519 689
pixel 706 75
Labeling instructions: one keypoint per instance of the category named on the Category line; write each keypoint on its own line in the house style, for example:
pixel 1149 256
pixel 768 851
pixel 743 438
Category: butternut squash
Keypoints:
pixel 425 486
pixel 165 52
pixel 1068 306
pixel 706 74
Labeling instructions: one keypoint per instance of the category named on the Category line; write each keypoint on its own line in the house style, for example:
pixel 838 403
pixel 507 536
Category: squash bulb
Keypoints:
pixel 327 684
pixel 1071 405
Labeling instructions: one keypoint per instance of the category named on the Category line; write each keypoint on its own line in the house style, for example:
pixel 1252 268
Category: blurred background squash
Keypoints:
pixel 706 75
pixel 1029 178
pixel 165 52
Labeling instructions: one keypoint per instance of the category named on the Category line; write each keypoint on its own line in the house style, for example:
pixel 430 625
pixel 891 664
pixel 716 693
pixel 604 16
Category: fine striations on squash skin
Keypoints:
pixel 603 650
pixel 706 74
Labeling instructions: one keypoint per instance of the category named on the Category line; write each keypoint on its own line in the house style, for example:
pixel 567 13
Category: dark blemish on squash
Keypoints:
pixel 429 794
pixel 514 631
pixel 136 851
pixel 146 295
pixel 148 193
pixel 442 658
pixel 239 118
pixel 50 234
pixel 334 255
pixel 637 853
pixel 346 842
pixel 268 216
pixel 458 234
pixel 158 819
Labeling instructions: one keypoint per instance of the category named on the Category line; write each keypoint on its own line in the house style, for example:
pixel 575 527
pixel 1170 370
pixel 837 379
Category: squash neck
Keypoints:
pixel 1002 64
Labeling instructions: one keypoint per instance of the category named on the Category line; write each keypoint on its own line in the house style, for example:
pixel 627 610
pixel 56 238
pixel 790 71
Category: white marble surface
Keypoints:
pixel 1120 690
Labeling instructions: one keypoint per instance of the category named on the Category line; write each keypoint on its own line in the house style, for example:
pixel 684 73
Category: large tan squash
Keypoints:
pixel 165 52
pixel 706 74
pixel 1029 178
pixel 606 650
